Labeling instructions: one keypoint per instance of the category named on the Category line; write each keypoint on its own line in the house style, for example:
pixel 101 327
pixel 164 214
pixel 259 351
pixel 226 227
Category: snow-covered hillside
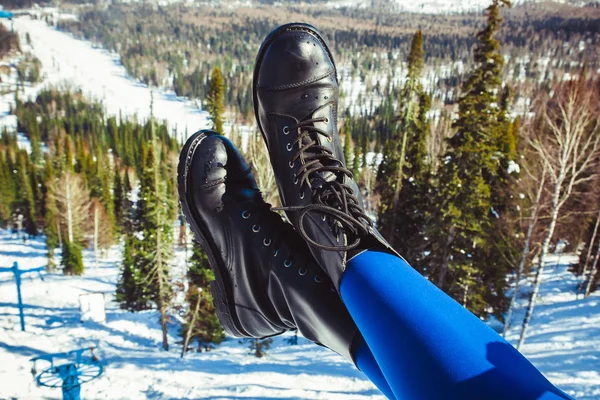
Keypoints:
pixel 564 343
pixel 68 62
pixel 129 346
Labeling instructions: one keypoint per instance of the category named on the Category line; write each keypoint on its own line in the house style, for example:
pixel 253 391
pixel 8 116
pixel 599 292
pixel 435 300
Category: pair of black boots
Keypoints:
pixel 272 276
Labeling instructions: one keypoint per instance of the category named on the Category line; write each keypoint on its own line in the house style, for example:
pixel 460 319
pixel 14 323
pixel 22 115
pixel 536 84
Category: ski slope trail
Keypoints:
pixel 70 62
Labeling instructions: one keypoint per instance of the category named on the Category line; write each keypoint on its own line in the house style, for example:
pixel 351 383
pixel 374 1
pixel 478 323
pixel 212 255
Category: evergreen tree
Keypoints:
pixel 215 103
pixel 347 148
pixel 202 323
pixel 25 197
pixel 462 232
pixel 356 158
pixel 51 229
pixel 258 347
pixel 403 178
pixel 7 190
pixel 72 258
pixel 153 249
pixel 118 199
pixel 131 294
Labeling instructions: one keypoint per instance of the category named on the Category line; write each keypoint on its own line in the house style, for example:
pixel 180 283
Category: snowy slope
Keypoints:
pixel 438 6
pixel 69 62
pixel 564 343
pixel 564 336
pixel 129 346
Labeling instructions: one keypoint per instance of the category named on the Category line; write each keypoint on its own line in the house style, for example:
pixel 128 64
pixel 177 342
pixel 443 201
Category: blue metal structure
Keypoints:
pixel 6 14
pixel 67 371
pixel 18 272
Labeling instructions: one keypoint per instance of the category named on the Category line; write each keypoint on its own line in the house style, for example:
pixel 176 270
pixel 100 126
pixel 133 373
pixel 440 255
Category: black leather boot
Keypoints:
pixel 295 100
pixel 267 281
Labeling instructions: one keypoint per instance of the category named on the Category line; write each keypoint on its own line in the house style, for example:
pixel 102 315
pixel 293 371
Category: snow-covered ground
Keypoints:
pixel 563 342
pixel 129 346
pixel 564 336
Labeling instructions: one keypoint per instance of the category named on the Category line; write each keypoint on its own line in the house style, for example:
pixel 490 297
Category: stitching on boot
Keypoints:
pixel 298 84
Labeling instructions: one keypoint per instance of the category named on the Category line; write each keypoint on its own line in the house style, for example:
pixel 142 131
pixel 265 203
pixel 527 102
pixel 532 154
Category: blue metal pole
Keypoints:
pixel 18 279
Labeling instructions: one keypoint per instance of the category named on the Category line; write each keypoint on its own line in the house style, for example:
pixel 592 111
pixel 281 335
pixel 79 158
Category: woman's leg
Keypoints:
pixel 366 363
pixel 427 345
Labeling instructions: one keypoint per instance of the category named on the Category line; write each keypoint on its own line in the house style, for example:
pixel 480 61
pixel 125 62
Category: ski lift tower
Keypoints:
pixel 18 272
pixel 8 15
pixel 67 371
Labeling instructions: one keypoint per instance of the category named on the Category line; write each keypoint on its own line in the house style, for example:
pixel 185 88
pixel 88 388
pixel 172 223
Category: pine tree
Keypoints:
pixel 463 224
pixel 202 323
pixel 215 99
pixel 51 224
pixel 403 178
pixel 118 199
pixel 347 148
pixel 72 258
pixel 131 292
pixel 130 288
pixel 356 158
pixel 25 196
pixel 7 190
pixel 258 347
pixel 153 250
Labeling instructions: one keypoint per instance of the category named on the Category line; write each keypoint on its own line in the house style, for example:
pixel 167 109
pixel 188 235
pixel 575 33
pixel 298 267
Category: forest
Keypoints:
pixel 475 138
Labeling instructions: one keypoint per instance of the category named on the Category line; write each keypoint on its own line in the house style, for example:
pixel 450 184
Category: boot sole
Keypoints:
pixel 295 26
pixel 220 288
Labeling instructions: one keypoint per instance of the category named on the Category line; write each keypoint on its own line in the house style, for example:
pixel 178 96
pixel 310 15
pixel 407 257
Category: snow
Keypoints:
pixel 564 335
pixel 440 6
pixel 74 63
pixel 129 345
pixel 513 167
pixel 563 341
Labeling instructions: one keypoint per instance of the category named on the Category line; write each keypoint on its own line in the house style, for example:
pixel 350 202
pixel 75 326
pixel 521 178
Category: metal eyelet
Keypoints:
pixel 246 214
pixel 286 130
pixel 323 218
pixel 267 242
pixel 255 228
pixel 318 279
pixel 276 252
pixel 291 164
pixel 295 179
pixel 287 263
pixel 326 120
pixel 302 195
pixel 289 147
pixel 302 271
pixel 329 139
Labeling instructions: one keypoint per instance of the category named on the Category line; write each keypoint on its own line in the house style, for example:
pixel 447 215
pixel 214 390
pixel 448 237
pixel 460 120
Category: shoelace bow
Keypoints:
pixel 332 198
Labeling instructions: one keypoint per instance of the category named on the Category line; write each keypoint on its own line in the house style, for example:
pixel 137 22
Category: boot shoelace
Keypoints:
pixel 277 239
pixel 332 199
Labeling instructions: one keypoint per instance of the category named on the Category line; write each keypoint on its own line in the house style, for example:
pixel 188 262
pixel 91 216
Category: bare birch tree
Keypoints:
pixel 73 204
pixel 568 144
pixel 258 158
pixel 593 272
pixel 532 221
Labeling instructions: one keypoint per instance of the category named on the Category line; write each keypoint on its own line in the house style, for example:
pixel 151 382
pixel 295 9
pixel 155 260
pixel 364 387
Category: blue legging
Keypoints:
pixel 425 344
